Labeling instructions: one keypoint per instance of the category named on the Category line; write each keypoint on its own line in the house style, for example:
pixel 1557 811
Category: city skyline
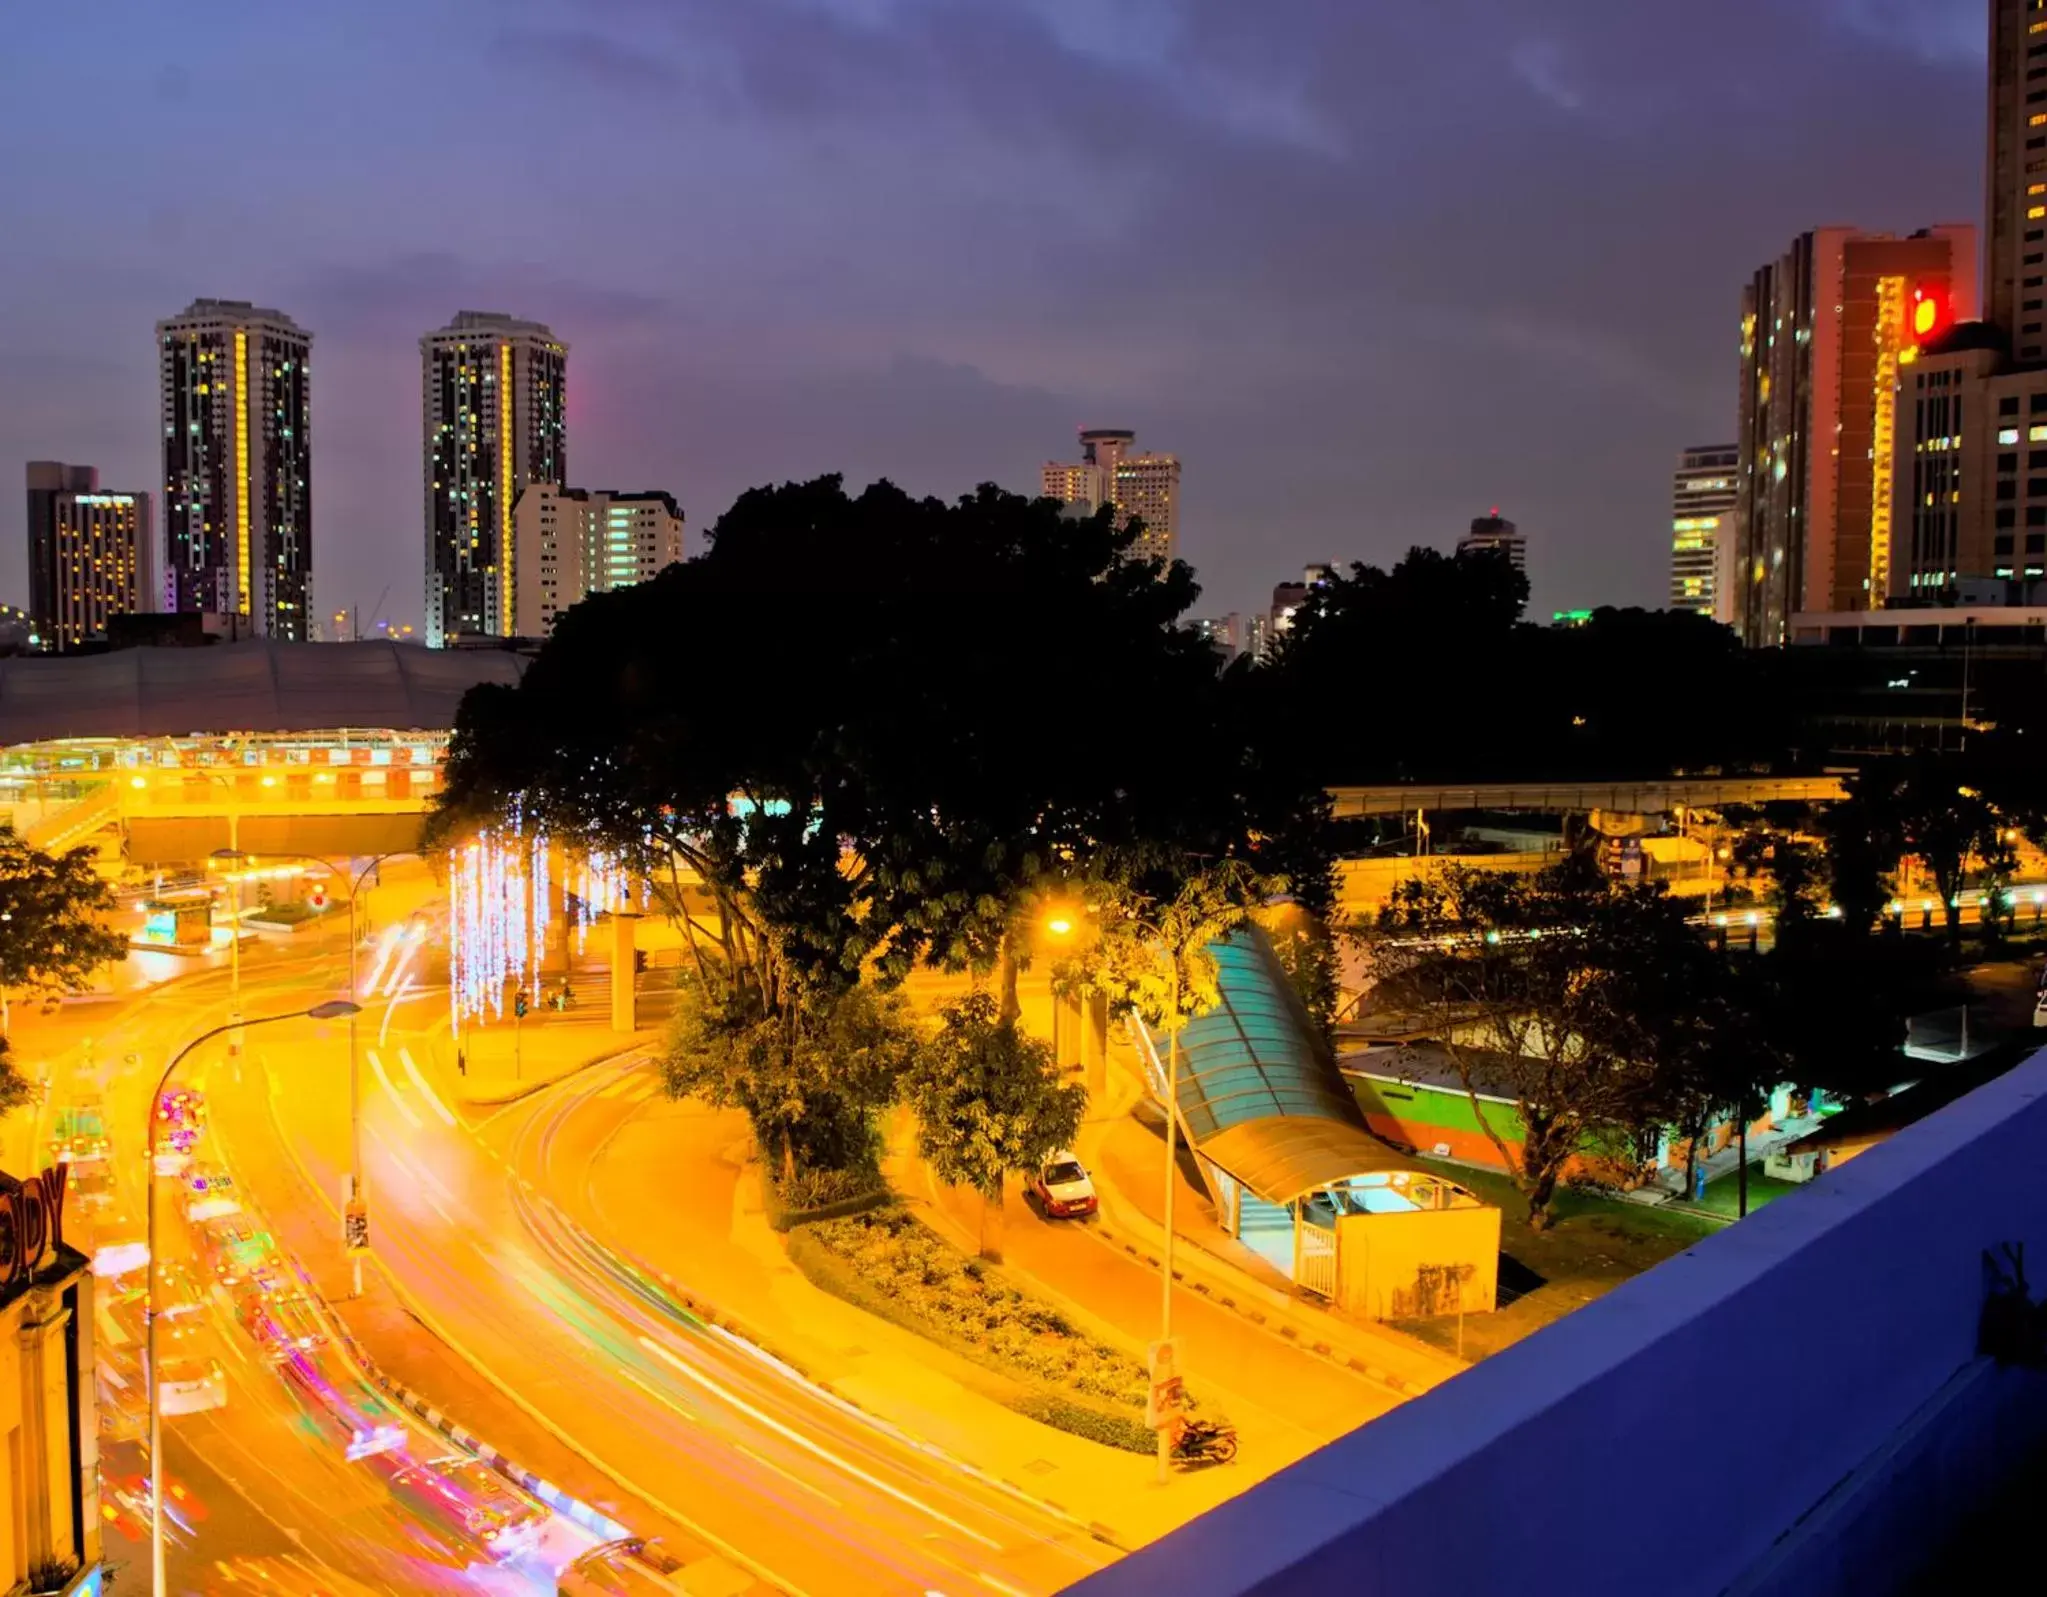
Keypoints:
pixel 721 354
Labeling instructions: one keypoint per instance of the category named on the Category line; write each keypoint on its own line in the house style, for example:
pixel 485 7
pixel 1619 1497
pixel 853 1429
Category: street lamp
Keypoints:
pixel 355 1184
pixel 1062 925
pixel 334 1009
pixel 233 856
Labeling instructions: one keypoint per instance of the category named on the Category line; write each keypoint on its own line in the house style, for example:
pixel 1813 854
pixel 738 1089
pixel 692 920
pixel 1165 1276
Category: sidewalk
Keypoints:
pixel 685 1158
pixel 1284 1399
pixel 506 1061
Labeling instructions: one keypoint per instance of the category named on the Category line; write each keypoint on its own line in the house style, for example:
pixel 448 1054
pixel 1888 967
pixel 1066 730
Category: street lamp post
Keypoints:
pixel 355 1181
pixel 332 1010
pixel 1166 1253
pixel 1063 926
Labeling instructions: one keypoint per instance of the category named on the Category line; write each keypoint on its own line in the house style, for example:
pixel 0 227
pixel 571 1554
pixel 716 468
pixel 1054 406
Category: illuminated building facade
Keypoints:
pixel 1701 517
pixel 1142 487
pixel 493 402
pixel 1826 332
pixel 91 555
pixel 2015 198
pixel 571 542
pixel 1495 531
pixel 101 547
pixel 236 385
pixel 1287 599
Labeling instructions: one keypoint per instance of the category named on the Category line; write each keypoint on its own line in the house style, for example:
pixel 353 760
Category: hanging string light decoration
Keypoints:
pixel 497 920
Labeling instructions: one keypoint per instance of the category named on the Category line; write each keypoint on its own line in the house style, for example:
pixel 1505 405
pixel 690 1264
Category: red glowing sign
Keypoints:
pixel 1929 312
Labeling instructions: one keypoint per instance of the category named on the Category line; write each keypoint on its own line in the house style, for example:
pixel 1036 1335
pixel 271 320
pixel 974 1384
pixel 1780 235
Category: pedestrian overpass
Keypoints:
pixel 1292 1169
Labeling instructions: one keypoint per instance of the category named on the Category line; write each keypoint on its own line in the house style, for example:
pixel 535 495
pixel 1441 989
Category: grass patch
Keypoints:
pixel 1592 1245
pixel 1723 1194
pixel 889 1264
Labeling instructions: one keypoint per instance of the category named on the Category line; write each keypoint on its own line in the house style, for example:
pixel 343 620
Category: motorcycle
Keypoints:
pixel 1204 1442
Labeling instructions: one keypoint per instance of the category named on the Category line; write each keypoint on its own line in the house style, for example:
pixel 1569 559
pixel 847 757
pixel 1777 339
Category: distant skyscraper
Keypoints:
pixel 49 480
pixel 1141 486
pixel 572 542
pixel 91 554
pixel 1287 599
pixel 1494 531
pixel 493 403
pixel 1825 332
pixel 237 464
pixel 2015 178
pixel 1702 500
pixel 1225 632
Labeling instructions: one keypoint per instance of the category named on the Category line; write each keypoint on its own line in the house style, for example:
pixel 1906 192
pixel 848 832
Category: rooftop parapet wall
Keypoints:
pixel 1623 1444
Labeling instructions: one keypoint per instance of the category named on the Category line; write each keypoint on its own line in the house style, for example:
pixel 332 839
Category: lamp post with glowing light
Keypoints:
pixel 1062 925
pixel 332 1010
pixel 355 1182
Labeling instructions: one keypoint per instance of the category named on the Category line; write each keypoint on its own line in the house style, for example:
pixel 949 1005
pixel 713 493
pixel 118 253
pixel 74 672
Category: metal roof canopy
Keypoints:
pixel 255 686
pixel 1259 1095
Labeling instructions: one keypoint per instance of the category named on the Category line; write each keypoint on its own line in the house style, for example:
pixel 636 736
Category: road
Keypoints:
pixel 784 1482
pixel 261 1490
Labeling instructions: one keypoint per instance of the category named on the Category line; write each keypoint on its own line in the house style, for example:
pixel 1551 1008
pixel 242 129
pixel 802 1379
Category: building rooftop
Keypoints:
pixel 492 322
pixel 231 310
pixel 257 686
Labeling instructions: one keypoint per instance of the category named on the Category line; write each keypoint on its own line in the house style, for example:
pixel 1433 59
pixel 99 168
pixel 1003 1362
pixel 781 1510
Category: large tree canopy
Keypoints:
pixel 52 932
pixel 875 727
pixel 1426 671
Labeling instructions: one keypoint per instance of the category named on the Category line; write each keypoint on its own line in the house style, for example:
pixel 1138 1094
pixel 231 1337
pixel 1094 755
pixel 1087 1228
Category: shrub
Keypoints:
pixel 889 1264
pixel 809 1195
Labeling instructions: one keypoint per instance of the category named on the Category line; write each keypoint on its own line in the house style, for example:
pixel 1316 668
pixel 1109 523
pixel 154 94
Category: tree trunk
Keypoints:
pixel 1542 1188
pixel 1008 968
pixel 992 1222
pixel 1949 886
pixel 788 1159
pixel 1544 1154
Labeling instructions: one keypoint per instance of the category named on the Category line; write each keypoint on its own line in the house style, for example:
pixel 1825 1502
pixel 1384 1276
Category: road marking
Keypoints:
pixel 404 1108
pixel 419 1081
pixel 683 1368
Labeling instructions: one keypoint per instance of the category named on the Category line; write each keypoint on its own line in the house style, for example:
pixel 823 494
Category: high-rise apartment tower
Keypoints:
pixel 1142 487
pixel 236 385
pixel 2015 174
pixel 493 404
pixel 569 543
pixel 1495 531
pixel 1826 331
pixel 1702 500
pixel 91 554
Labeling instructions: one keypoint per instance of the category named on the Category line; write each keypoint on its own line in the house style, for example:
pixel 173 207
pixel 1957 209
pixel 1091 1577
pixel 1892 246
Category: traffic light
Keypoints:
pixel 318 897
pixel 639 962
pixel 355 1228
pixel 519 1004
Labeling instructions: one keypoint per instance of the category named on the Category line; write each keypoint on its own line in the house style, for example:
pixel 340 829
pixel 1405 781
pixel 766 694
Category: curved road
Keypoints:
pixel 789 1485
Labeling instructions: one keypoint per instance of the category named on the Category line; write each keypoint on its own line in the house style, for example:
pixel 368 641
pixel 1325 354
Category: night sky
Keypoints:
pixel 1369 268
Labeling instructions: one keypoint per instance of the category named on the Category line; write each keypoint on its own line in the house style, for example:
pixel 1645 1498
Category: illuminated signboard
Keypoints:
pixel 31 1223
pixel 1929 313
